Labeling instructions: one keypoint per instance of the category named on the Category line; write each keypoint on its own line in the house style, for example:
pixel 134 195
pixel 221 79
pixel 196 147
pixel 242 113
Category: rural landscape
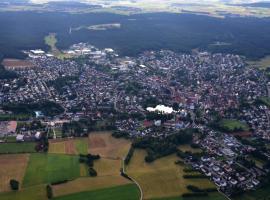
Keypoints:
pixel 134 100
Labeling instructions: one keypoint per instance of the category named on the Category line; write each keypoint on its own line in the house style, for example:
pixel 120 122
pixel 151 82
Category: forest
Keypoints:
pixel 152 31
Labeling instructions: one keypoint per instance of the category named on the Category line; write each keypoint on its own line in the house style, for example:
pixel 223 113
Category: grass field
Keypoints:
pixel 12 167
pixel 31 193
pixel 106 146
pixel 47 168
pixel 162 178
pixel 259 194
pixel 263 63
pixel 212 196
pixel 233 125
pixel 57 147
pixel 82 145
pixel 69 146
pixel 25 147
pixel 89 184
pixel 125 192
pixel 187 147
pixel 18 117
pixel 51 41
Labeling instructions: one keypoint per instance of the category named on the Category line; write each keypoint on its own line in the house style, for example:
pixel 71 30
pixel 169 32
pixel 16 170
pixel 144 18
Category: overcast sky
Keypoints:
pixel 181 1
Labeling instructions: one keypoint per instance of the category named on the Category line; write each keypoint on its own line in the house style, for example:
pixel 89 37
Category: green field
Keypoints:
pixel 18 117
pixel 47 168
pixel 26 147
pixel 212 196
pixel 125 192
pixel 259 194
pixel 31 193
pixel 233 125
pixel 81 146
pixel 51 41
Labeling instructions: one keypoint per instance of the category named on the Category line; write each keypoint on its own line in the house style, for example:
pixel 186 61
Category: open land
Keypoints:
pixel 12 167
pixel 106 146
pixel 34 193
pixel 27 147
pixel 162 178
pixel 48 168
pixel 124 192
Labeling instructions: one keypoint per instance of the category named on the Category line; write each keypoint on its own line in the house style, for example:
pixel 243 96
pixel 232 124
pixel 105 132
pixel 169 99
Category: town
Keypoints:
pixel 154 95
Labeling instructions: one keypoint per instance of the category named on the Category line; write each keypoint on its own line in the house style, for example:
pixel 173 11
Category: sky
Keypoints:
pixel 180 1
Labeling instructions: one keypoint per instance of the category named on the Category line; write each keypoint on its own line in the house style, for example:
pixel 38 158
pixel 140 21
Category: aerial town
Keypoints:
pixel 152 95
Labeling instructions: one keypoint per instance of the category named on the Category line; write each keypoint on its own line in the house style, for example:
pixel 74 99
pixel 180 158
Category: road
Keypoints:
pixel 133 180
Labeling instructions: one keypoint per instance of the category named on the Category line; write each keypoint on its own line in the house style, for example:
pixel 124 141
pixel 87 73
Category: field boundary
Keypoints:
pixel 132 179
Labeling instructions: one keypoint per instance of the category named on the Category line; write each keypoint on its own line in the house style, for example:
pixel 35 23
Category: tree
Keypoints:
pixel 14 184
pixel 175 106
pixel 49 191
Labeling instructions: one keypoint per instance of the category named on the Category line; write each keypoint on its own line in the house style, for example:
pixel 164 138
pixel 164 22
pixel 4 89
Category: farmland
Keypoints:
pixel 124 192
pixel 27 147
pixel 88 184
pixel 47 168
pixel 34 193
pixel 69 146
pixel 162 178
pixel 106 146
pixel 212 196
pixel 12 167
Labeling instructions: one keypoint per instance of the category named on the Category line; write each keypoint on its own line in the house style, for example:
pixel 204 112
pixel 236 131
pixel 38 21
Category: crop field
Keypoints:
pixel 69 146
pixel 162 178
pixel 187 147
pixel 263 63
pixel 81 145
pixel 26 147
pixel 89 184
pixel 106 167
pixel 106 146
pixel 47 168
pixel 125 192
pixel 31 193
pixel 12 167
pixel 211 196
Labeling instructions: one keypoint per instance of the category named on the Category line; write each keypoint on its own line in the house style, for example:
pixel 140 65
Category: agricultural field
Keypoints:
pixel 69 146
pixel 31 193
pixel 263 63
pixel 211 196
pixel 88 184
pixel 259 194
pixel 12 167
pixel 47 168
pixel 125 192
pixel 162 178
pixel 187 147
pixel 106 146
pixel 13 148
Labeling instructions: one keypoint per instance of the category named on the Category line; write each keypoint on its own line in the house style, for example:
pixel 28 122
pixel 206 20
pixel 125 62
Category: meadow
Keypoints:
pixel 47 168
pixel 162 178
pixel 13 148
pixel 233 125
pixel 125 192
